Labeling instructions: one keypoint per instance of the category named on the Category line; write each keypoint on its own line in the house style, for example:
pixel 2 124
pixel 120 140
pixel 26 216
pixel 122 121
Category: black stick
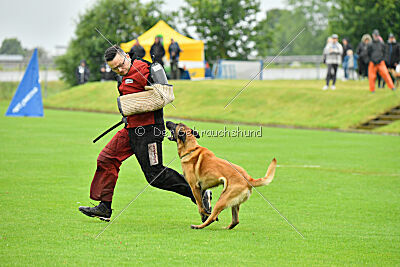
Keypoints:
pixel 107 131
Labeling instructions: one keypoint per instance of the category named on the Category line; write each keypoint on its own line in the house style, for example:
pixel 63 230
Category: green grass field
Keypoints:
pixel 348 208
pixel 294 103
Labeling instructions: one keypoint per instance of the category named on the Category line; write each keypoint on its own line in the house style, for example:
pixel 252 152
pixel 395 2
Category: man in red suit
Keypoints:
pixel 141 136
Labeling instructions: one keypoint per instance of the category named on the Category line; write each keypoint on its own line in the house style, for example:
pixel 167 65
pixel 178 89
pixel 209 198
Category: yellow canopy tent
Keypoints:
pixel 192 55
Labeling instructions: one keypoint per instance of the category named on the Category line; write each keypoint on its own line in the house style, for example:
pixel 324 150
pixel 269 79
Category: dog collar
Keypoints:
pixel 187 154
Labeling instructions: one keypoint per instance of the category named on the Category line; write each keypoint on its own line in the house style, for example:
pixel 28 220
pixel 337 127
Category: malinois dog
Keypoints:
pixel 203 170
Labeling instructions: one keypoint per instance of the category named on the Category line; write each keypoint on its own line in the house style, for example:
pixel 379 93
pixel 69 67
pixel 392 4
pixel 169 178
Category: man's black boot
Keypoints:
pixel 206 199
pixel 100 211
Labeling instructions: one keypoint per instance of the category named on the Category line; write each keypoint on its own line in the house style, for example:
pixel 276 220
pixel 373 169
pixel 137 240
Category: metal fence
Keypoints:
pixel 12 68
pixel 271 68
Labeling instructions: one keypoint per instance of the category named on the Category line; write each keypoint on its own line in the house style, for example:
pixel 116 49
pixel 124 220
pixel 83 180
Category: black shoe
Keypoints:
pixel 207 197
pixel 204 217
pixel 100 211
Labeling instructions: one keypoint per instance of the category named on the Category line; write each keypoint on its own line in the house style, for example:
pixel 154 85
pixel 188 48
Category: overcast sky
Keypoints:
pixel 50 23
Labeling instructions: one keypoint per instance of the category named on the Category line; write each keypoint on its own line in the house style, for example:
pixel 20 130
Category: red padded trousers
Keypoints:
pixel 108 163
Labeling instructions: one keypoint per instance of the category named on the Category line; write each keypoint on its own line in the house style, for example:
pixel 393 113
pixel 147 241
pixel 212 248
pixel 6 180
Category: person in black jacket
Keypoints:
pixel 106 74
pixel 137 51
pixel 362 52
pixel 392 52
pixel 157 51
pixel 392 56
pixel 82 73
pixel 174 51
pixel 376 53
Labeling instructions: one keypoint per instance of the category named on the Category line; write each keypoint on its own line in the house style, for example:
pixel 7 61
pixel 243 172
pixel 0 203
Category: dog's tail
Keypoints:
pixel 269 176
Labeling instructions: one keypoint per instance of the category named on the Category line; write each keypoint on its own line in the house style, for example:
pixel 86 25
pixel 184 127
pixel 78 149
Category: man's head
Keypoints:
pixel 375 35
pixel 344 41
pixel 172 41
pixel 118 61
pixel 157 39
pixel 391 39
pixel 335 38
pixel 83 63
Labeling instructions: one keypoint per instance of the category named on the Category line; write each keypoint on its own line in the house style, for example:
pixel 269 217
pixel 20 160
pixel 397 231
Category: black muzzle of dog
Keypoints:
pixel 171 127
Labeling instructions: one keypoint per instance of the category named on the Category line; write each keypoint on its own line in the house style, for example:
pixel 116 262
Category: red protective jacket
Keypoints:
pixel 134 82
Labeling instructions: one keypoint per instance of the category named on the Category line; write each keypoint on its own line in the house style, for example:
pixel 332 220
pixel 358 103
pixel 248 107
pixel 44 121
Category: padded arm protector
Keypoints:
pixel 155 97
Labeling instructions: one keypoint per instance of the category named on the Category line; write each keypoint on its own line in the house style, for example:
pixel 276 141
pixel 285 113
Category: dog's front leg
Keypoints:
pixel 196 190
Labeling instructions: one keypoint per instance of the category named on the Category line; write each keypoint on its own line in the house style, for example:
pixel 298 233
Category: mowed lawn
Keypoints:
pixel 346 204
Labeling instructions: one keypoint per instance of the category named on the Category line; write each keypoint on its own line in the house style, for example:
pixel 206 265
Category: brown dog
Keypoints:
pixel 203 170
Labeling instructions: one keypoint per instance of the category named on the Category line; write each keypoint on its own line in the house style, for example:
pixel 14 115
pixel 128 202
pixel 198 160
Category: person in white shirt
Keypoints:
pixel 333 57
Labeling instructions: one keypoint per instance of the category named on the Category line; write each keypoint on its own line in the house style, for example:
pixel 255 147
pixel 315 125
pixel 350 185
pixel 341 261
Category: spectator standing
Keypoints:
pixel 392 53
pixel 157 51
pixel 346 46
pixel 363 58
pixel 82 73
pixel 106 73
pixel 350 63
pixel 174 51
pixel 376 53
pixel 391 57
pixel 137 51
pixel 333 55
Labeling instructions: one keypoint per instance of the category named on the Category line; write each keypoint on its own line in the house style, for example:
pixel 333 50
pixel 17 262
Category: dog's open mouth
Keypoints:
pixel 171 127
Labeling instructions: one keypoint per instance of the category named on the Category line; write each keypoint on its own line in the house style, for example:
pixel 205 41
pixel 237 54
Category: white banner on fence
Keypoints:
pixel 235 69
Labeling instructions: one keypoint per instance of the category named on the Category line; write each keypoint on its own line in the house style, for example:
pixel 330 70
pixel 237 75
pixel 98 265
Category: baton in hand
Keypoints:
pixel 110 129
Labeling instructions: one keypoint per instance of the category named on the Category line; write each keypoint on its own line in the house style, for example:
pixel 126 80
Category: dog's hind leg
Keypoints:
pixel 235 217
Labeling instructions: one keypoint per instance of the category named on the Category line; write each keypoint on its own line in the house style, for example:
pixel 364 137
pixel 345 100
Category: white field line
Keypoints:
pixel 299 166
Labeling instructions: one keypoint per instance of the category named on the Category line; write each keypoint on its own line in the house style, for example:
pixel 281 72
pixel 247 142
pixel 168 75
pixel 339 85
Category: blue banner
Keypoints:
pixel 27 100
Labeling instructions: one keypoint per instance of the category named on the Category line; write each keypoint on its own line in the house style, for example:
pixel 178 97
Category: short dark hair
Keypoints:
pixel 112 51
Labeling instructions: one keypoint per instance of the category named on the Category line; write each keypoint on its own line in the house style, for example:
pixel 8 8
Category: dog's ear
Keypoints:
pixel 182 135
pixel 195 134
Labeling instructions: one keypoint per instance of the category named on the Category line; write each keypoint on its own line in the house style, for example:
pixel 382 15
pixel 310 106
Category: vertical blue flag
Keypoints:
pixel 27 100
